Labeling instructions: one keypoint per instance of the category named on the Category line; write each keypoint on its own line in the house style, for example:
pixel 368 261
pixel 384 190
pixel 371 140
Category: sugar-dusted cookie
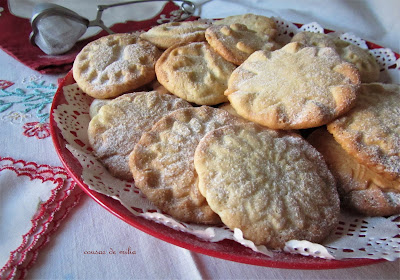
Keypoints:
pixel 294 87
pixel 364 61
pixel 315 39
pixel 360 188
pixel 118 125
pixel 272 185
pixel 194 72
pixel 258 23
pixel 155 85
pixel 162 162
pixel 236 42
pixel 115 64
pixel 370 132
pixel 96 105
pixel 228 107
pixel 171 33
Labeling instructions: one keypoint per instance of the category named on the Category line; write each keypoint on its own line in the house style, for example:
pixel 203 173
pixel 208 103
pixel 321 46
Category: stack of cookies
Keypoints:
pixel 208 119
pixel 362 151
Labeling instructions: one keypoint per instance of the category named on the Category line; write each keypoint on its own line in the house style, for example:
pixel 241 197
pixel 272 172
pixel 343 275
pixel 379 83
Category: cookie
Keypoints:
pixel 228 107
pixel 295 87
pixel 162 162
pixel 115 64
pixel 119 124
pixel 236 42
pixel 171 33
pixel 155 85
pixel 314 39
pixel 194 72
pixel 257 23
pixel 370 132
pixel 272 185
pixel 360 188
pixel 95 106
pixel 364 61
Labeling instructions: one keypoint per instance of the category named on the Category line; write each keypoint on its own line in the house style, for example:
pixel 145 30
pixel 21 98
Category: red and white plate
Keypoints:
pixel 225 249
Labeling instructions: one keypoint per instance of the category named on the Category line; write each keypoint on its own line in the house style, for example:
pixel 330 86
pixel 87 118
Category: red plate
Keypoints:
pixel 226 249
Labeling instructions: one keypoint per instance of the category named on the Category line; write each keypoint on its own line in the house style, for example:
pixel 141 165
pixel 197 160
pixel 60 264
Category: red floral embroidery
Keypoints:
pixel 37 129
pixel 5 84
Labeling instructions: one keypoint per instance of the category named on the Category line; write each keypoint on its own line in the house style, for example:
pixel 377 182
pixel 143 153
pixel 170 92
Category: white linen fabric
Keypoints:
pixel 91 228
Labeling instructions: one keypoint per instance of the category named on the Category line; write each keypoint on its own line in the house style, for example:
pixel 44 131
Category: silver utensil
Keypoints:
pixel 56 29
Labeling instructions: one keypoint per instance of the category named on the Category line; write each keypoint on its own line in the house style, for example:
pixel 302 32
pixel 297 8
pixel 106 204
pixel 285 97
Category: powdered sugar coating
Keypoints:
pixel 115 64
pixel 236 42
pixel 171 33
pixel 119 124
pixel 371 130
pixel 361 58
pixel 162 162
pixel 258 23
pixel 194 72
pixel 294 87
pixel 96 105
pixel 360 188
pixel 272 185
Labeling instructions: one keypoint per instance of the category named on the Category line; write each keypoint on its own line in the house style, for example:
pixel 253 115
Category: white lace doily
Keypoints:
pixel 355 236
